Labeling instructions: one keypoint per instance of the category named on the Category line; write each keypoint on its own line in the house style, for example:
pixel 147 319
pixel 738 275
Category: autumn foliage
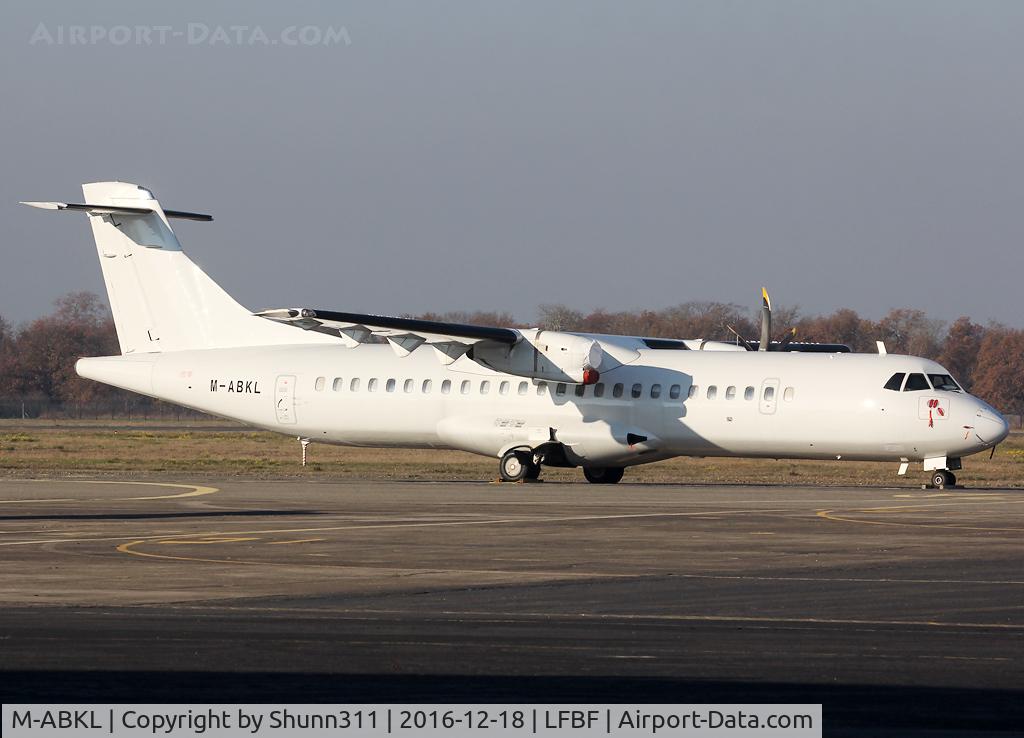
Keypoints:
pixel 37 359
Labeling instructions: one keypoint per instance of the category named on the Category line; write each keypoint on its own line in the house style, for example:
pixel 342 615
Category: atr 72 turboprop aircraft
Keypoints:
pixel 526 397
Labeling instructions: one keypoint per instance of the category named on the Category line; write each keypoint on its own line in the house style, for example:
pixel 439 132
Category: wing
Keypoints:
pixel 451 340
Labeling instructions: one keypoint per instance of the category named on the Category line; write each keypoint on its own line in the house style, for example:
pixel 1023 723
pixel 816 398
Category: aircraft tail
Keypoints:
pixel 160 299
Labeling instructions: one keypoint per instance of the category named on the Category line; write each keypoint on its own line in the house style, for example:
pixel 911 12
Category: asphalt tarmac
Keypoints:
pixel 901 610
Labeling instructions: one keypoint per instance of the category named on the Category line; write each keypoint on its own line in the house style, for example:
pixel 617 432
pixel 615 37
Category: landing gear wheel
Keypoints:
pixel 603 475
pixel 943 478
pixel 513 466
pixel 532 471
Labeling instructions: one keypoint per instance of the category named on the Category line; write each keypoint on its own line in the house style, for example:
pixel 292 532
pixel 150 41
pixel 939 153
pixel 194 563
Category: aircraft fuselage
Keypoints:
pixel 665 403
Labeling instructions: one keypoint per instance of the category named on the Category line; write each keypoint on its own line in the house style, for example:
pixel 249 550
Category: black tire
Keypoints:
pixel 532 471
pixel 942 478
pixel 603 474
pixel 952 479
pixel 513 466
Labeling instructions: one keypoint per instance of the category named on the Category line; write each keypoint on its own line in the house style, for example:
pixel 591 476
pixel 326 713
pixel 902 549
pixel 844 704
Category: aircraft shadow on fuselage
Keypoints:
pixel 628 410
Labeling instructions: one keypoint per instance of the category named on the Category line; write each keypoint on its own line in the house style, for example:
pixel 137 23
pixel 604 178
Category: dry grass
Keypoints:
pixel 40 447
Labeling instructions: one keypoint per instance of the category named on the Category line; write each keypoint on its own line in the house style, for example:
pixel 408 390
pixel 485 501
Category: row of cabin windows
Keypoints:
pixel 748 393
pixel 636 391
pixel 504 387
pixel 409 386
pixel 916 382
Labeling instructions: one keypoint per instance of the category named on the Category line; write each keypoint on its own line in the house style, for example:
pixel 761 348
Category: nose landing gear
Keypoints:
pixel 942 478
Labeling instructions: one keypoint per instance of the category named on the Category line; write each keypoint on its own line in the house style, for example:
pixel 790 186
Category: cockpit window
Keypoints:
pixel 944 382
pixel 916 382
pixel 895 381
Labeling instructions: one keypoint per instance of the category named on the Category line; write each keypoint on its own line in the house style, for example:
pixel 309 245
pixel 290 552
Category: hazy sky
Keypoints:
pixel 499 155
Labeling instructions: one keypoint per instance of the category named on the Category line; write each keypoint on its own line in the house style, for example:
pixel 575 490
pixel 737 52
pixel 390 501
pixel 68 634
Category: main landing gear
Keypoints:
pixel 603 474
pixel 517 466
pixel 523 465
pixel 942 478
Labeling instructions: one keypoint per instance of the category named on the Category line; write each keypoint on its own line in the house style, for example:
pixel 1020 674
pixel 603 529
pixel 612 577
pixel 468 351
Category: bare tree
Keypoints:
pixel 998 378
pixel 960 350
pixel 43 362
pixel 909 331
pixel 559 318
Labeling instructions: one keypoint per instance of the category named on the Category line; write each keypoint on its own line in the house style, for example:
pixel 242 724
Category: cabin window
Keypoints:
pixel 427 386
pixel 599 389
pixel 390 385
pixel 895 381
pixel 371 386
pixel 916 383
pixel 674 391
pixel 638 389
pixel 617 390
pixel 320 381
pixel 769 394
pixel 503 388
pixel 944 382
pixel 338 384
pixel 560 390
pixel 485 387
pixel 730 392
pixel 354 385
pixel 524 387
pixel 542 389
pixel 655 391
pixel 712 392
pixel 446 387
pixel 748 394
pixel 788 394
pixel 409 385
pixel 580 389
pixel 464 389
pixel 692 392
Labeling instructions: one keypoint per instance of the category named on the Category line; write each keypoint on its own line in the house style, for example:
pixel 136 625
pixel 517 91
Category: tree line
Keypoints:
pixel 37 359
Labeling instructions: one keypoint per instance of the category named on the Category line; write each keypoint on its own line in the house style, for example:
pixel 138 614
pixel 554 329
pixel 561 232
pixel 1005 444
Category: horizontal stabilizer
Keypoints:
pixel 115 210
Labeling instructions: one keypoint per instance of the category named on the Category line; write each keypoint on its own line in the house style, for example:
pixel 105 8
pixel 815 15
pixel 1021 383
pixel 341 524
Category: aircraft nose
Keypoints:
pixel 990 426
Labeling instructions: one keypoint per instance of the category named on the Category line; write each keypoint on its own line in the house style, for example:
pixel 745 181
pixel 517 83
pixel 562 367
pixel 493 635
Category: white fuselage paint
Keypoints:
pixel 825 406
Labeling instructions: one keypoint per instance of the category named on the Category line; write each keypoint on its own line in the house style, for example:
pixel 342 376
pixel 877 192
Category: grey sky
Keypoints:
pixel 478 155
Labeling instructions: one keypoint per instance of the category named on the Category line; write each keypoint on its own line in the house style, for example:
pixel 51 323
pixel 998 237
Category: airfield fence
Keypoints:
pixel 143 408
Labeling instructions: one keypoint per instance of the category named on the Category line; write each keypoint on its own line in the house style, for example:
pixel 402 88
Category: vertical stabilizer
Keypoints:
pixel 162 301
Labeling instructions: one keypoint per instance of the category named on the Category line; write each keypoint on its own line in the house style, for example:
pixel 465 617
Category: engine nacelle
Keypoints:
pixel 549 355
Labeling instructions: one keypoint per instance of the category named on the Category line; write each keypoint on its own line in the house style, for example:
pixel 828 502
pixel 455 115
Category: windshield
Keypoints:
pixel 944 382
pixel 916 383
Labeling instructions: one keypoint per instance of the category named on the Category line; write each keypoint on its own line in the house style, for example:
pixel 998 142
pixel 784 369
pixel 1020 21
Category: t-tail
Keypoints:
pixel 161 301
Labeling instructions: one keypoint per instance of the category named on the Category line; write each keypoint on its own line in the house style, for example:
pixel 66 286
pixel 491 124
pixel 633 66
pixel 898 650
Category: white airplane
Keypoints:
pixel 527 397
